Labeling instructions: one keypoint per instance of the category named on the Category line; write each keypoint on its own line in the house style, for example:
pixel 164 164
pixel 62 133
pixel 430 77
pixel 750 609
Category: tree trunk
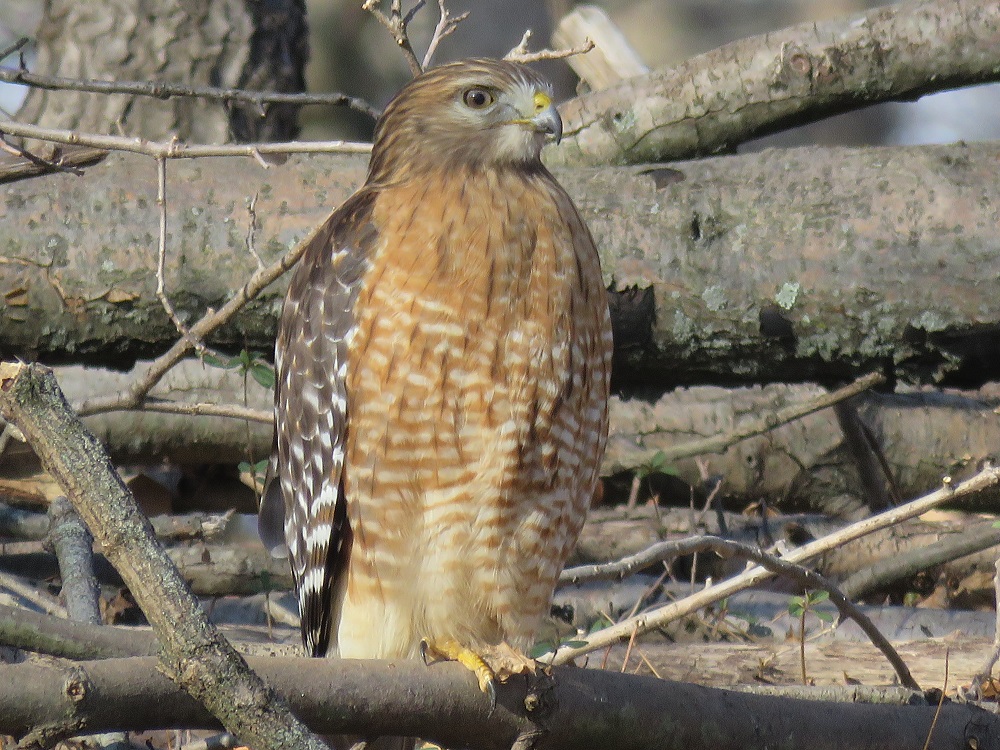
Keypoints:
pixel 228 43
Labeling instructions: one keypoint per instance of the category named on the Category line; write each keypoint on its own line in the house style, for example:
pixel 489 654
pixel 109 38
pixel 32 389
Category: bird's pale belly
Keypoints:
pixel 463 484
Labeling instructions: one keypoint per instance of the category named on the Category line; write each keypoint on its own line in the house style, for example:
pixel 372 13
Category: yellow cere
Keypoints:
pixel 542 100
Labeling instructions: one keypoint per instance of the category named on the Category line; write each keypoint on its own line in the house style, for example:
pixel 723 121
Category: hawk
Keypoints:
pixel 443 362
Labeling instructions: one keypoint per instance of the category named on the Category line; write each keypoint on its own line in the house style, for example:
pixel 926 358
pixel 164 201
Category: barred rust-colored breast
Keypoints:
pixel 478 376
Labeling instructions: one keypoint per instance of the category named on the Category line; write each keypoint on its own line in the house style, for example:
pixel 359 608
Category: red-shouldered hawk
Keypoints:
pixel 443 361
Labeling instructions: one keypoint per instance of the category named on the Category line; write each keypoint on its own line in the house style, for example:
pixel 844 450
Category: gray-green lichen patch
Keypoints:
pixel 714 298
pixel 786 296
pixel 929 321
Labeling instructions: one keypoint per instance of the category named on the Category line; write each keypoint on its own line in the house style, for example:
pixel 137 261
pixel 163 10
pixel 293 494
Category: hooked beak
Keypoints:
pixel 546 119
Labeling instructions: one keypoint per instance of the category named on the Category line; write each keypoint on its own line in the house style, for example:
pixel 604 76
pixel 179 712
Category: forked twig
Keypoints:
pixel 396 24
pixel 520 52
pixel 446 25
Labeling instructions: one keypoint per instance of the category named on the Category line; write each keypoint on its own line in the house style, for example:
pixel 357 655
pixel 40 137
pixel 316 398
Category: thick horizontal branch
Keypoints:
pixel 578 708
pixel 767 83
pixel 805 263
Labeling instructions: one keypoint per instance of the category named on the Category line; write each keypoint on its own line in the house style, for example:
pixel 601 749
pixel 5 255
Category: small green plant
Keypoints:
pixel 257 471
pixel 570 641
pixel 800 606
pixel 248 364
pixel 657 464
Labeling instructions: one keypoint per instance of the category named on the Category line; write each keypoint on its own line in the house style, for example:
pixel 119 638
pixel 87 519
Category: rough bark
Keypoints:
pixel 800 74
pixel 794 264
pixel 194 654
pixel 806 465
pixel 227 43
pixel 578 708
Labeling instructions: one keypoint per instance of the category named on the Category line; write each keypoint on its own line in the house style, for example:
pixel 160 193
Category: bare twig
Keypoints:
pixel 396 24
pixel 988 477
pixel 175 149
pixel 163 90
pixel 31 594
pixel 937 713
pixel 807 578
pixel 232 411
pixel 161 255
pixel 984 675
pixel 520 52
pixel 135 396
pixel 38 161
pixel 767 422
pixel 15 47
pixel 446 25
pixel 251 240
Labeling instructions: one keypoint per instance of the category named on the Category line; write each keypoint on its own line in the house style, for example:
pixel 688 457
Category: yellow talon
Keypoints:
pixel 455 651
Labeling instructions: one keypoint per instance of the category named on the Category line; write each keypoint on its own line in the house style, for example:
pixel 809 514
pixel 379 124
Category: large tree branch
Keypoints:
pixel 791 264
pixel 578 708
pixel 763 84
pixel 194 654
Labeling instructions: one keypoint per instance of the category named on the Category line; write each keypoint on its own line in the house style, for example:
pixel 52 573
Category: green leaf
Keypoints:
pixel 263 374
pixel 213 360
pixel 542 647
pixel 815 597
pixel 599 624
pixel 796 606
pixel 824 616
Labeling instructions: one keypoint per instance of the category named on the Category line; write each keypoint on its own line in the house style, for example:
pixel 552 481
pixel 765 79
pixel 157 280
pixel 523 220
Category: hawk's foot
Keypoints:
pixel 454 651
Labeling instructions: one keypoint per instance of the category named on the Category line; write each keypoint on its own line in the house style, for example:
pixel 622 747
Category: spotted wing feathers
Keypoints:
pixel 311 415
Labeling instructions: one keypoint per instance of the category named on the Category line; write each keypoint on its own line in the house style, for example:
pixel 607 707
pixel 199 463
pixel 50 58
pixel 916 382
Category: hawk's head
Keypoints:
pixel 474 112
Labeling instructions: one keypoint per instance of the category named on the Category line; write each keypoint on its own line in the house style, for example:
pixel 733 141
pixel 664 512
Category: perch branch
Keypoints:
pixel 195 655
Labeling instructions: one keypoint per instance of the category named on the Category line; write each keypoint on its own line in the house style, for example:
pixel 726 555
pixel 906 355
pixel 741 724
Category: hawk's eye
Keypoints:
pixel 478 98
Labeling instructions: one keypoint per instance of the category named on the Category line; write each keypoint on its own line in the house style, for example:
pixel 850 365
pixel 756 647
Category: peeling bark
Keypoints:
pixel 792 76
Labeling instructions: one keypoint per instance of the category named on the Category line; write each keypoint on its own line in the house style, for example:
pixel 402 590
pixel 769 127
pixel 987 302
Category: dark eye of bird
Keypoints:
pixel 478 98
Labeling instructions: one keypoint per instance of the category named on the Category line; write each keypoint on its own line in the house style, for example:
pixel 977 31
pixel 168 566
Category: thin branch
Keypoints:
pixel 396 24
pixel 984 675
pixel 176 149
pixel 31 594
pixel 446 25
pixel 520 53
pixel 136 394
pixel 645 622
pixel 201 409
pixel 38 161
pixel 15 47
pixel 251 240
pixel 767 422
pixel 163 90
pixel 809 579
pixel 161 255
